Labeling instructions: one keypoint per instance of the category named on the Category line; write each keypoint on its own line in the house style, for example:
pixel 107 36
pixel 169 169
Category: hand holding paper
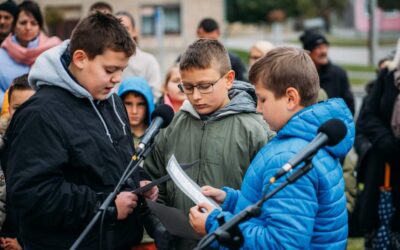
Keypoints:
pixel 187 185
pixel 216 194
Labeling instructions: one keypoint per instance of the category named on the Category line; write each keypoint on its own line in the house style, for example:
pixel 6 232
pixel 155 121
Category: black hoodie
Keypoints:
pixel 65 153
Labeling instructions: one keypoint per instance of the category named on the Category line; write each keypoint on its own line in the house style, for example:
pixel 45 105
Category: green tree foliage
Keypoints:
pixel 255 11
pixel 389 4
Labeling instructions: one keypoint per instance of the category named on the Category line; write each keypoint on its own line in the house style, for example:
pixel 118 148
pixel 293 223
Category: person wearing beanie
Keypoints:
pixel 333 79
pixel 8 10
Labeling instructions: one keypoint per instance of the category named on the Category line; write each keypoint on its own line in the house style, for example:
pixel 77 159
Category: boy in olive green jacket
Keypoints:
pixel 218 125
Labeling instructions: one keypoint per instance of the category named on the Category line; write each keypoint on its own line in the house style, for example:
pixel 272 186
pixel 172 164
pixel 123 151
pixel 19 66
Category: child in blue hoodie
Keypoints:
pixel 137 97
pixel 310 213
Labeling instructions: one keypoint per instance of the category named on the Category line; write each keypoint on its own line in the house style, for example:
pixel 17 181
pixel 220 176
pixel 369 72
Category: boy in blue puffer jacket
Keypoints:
pixel 310 213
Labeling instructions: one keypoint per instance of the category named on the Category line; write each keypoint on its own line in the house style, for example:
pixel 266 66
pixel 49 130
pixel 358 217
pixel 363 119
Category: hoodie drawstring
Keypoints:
pixel 102 120
pixel 119 118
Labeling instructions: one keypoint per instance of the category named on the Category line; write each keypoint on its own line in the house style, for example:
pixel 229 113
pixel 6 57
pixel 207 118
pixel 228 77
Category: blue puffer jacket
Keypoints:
pixel 308 214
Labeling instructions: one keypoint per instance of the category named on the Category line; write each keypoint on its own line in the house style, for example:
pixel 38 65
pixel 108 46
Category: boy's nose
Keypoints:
pixel 196 94
pixel 116 78
pixel 259 109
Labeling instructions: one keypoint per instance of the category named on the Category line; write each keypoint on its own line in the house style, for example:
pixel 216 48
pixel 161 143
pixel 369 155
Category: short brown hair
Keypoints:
pixel 19 83
pixel 285 67
pixel 205 53
pixel 98 32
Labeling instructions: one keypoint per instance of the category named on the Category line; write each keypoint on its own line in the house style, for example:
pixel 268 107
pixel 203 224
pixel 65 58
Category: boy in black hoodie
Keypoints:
pixel 70 143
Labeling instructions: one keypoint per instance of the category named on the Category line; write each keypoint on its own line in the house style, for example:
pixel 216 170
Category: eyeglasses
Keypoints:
pixel 203 88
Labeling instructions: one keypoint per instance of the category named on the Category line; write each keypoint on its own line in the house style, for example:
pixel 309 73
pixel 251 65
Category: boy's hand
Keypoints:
pixel 10 244
pixel 198 219
pixel 125 203
pixel 152 194
pixel 216 194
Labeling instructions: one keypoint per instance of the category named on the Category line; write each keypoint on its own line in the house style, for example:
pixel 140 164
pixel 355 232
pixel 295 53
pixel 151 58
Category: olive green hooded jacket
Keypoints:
pixel 224 144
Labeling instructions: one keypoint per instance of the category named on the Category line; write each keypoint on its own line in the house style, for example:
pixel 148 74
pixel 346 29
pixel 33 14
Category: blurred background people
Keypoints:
pixel 26 42
pixel 173 96
pixel 333 79
pixel 258 50
pixel 8 9
pixel 103 7
pixel 136 95
pixel 378 144
pixel 141 64
pixel 19 92
pixel 208 28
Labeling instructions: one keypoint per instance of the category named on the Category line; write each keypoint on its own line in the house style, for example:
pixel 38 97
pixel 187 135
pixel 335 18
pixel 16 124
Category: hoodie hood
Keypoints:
pixel 49 70
pixel 242 97
pixel 140 86
pixel 305 124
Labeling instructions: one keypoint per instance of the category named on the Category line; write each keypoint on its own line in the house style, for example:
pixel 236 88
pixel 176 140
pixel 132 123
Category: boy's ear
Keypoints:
pixel 293 99
pixel 230 77
pixel 79 58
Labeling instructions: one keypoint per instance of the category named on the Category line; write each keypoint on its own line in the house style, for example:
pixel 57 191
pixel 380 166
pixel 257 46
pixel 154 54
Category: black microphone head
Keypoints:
pixel 335 129
pixel 165 112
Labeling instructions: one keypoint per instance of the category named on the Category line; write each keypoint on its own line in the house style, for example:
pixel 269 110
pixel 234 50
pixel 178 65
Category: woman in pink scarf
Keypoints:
pixel 21 48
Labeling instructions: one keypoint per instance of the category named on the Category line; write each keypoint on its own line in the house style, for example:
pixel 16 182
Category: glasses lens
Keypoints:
pixel 205 88
pixel 187 88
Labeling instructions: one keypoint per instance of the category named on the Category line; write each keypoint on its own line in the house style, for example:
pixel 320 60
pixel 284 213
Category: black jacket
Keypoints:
pixel 61 165
pixel 333 80
pixel 376 145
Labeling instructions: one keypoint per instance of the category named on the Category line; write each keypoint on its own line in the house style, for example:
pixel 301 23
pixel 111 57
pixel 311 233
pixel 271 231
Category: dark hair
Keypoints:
pixel 19 83
pixel 97 6
pixel 98 32
pixel 208 25
pixel 32 8
pixel 204 54
pixel 285 67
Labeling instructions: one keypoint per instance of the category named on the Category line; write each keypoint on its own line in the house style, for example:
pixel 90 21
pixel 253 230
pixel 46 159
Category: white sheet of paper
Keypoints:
pixel 187 185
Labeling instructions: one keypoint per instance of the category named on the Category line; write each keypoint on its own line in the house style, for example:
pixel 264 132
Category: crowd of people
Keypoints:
pixel 74 112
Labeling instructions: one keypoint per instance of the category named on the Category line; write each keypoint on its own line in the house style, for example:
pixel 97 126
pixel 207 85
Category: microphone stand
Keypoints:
pixel 228 234
pixel 129 170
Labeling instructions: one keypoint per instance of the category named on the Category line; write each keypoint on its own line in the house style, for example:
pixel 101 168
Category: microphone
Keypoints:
pixel 161 118
pixel 330 133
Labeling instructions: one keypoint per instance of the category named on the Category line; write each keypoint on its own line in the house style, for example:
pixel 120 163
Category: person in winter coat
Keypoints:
pixel 142 63
pixel 19 92
pixel 137 97
pixel 218 126
pixel 311 212
pixel 333 79
pixel 26 42
pixel 70 143
pixel 378 144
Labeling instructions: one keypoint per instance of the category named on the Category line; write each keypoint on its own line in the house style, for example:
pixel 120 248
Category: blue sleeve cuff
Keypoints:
pixel 230 200
pixel 211 222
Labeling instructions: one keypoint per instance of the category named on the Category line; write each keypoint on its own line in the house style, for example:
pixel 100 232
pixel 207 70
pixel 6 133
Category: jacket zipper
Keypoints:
pixel 202 160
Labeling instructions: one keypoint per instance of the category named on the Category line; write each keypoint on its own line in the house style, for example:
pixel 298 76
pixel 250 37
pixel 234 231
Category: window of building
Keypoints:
pixel 167 17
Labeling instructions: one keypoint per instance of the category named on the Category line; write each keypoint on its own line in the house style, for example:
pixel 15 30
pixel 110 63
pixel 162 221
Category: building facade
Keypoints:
pixel 166 27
